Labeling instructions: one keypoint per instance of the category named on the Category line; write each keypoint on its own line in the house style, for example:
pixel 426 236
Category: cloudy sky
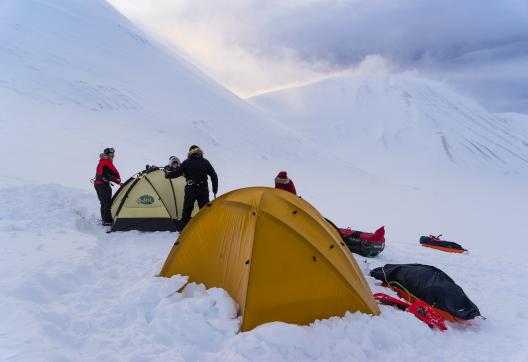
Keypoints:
pixel 480 47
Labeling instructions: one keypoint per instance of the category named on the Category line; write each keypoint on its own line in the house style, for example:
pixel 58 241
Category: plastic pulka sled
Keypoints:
pixel 420 309
pixel 425 283
pixel 364 243
pixel 435 242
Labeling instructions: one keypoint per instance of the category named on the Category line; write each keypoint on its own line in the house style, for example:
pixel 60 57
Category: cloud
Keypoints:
pixel 480 46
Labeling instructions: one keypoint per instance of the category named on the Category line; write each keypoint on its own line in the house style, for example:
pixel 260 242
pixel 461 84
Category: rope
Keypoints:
pixel 396 283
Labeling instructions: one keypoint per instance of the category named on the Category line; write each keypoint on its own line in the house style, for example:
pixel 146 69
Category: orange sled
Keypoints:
pixel 434 242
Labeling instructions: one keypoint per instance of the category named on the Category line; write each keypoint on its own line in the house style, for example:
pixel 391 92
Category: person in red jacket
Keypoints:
pixel 283 182
pixel 104 174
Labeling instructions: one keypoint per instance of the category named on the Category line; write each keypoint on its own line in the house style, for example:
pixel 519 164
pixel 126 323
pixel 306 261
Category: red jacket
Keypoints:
pixel 283 182
pixel 106 172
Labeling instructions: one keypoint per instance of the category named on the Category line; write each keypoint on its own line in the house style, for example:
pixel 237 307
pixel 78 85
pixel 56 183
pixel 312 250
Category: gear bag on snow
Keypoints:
pixel 430 284
pixel 364 243
pixel 435 242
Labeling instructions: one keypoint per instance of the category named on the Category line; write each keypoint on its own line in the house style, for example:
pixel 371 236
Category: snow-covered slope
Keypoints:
pixel 76 76
pixel 396 121
pixel 70 292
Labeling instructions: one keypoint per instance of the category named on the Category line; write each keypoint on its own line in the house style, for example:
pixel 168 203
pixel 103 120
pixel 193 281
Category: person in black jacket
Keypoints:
pixel 195 169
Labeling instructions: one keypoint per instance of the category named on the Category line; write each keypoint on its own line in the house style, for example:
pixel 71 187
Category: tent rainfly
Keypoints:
pixel 149 202
pixel 275 254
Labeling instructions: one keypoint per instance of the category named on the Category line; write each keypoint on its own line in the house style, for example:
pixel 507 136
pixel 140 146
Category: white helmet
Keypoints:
pixel 174 160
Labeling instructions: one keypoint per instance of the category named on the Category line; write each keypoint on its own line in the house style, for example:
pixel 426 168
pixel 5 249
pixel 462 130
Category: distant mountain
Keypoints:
pixel 398 122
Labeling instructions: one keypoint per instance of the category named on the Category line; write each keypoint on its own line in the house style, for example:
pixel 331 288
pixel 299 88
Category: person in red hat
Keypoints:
pixel 283 182
pixel 104 174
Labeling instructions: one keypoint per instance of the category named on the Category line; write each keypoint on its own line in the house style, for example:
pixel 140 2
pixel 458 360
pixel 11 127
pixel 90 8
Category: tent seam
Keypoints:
pixel 125 196
pixel 156 191
pixel 251 255
pixel 175 202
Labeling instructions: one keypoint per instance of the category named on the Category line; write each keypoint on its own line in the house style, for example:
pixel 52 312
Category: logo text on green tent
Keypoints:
pixel 145 200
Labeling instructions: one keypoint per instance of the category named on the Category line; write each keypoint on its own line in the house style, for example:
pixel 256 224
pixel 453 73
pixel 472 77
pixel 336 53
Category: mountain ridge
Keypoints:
pixel 399 118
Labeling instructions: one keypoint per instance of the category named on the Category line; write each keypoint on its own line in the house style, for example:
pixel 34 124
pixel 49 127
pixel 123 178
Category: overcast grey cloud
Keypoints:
pixel 479 46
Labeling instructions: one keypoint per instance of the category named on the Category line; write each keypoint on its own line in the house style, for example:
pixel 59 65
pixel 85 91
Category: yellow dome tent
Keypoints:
pixel 149 202
pixel 275 254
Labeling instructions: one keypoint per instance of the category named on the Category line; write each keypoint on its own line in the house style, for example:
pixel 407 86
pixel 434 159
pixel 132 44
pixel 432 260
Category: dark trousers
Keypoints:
pixel 104 193
pixel 192 194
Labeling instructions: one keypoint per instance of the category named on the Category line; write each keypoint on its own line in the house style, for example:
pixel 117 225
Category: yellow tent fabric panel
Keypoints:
pixel 164 189
pixel 304 219
pixel 275 255
pixel 143 202
pixel 292 281
pixel 218 261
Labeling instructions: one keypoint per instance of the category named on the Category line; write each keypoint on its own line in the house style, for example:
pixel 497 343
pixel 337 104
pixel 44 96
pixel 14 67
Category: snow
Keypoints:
pixel 69 291
pixel 76 77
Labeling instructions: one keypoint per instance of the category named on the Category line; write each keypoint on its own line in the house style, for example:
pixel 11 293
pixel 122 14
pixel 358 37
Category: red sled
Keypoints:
pixel 364 243
pixel 412 299
pixel 419 308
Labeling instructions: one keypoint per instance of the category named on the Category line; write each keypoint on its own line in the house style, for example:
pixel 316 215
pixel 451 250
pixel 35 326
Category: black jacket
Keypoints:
pixel 196 168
